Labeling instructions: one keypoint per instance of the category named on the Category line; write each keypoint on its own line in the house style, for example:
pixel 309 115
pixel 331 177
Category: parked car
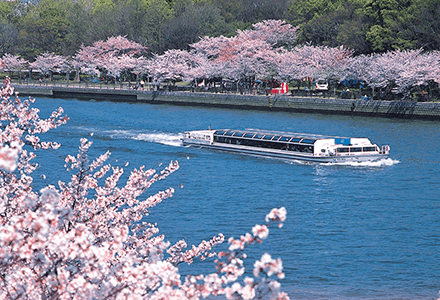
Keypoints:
pixel 321 85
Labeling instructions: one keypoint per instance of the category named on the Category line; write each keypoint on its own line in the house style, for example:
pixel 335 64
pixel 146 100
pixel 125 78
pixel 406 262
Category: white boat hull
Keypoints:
pixel 283 154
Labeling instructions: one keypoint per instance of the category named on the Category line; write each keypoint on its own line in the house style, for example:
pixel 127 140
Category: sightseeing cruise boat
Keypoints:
pixel 286 145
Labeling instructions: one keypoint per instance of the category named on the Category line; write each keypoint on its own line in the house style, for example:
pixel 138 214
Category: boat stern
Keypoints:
pixel 198 138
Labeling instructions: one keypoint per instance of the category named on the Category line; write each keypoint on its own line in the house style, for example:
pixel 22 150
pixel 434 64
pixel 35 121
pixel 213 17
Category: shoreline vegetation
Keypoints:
pixel 254 61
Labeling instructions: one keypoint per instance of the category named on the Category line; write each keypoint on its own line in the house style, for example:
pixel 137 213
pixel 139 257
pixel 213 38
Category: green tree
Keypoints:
pixel 423 25
pixel 255 11
pixel 192 21
pixel 78 16
pixel 303 11
pixel 387 17
pixel 330 23
pixel 158 13
pixel 138 20
pixel 44 28
pixel 8 37
pixel 102 20
pixel 324 30
pixel 230 9
pixel 352 33
pixel 11 14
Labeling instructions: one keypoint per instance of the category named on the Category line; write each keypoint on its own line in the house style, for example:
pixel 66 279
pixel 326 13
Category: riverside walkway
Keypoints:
pixel 275 102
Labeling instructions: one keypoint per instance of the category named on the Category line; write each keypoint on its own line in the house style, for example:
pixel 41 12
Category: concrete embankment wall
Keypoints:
pixel 399 109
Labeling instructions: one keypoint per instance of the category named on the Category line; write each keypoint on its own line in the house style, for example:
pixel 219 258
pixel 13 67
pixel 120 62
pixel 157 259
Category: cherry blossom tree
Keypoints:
pixel 239 58
pixel 326 62
pixel 264 52
pixel 249 54
pixel 85 239
pixel 13 63
pixel 172 65
pixel 108 56
pixel 294 65
pixel 249 59
pixel 358 67
pixel 140 67
pixel 178 65
pixel 315 62
pixel 200 67
pixel 116 65
pixel 404 70
pixel 276 32
pixel 47 63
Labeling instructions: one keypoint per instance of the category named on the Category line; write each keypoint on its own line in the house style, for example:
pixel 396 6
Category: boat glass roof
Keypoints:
pixel 302 138
pixel 308 141
pixel 239 133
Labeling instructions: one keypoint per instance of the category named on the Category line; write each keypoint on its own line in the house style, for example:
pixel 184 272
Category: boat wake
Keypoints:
pixel 379 163
pixel 160 138
pixel 164 138
pixel 374 164
pixel 152 137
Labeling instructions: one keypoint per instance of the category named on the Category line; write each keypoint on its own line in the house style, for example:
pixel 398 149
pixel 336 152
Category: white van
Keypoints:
pixel 321 85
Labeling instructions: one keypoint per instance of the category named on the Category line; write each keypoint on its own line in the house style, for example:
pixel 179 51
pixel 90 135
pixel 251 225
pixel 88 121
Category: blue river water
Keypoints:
pixel 353 231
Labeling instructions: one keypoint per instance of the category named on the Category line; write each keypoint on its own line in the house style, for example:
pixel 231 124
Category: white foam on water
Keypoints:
pixel 169 139
pixel 161 138
pixel 378 163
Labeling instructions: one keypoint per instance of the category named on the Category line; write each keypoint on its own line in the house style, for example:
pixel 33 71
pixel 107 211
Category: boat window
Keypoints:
pixel 276 138
pixel 229 133
pixel 268 137
pixel 342 150
pixel 284 138
pixel 356 149
pixel 369 149
pixel 249 135
pixel 219 132
pixel 307 141
pixel 258 136
pixel 295 140
pixel 238 133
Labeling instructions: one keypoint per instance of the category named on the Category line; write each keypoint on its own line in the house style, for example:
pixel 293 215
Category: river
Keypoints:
pixel 353 231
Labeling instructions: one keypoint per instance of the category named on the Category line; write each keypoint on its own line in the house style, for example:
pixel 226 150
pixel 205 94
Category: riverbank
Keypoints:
pixel 359 107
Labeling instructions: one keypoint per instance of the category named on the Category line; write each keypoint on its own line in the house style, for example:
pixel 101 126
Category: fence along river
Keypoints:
pixel 358 107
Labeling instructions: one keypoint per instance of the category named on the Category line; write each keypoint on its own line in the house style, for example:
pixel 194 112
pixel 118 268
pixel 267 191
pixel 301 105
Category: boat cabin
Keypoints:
pixel 297 144
pixel 306 143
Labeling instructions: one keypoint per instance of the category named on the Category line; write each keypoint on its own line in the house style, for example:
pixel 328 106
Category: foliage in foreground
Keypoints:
pixel 85 239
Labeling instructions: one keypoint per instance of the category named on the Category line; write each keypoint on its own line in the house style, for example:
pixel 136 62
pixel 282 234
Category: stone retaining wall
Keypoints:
pixel 399 109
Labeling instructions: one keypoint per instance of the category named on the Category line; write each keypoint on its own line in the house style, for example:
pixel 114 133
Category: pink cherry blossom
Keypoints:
pixel 47 63
pixel 13 63
pixel 268 266
pixel 113 56
pixel 9 156
pixel 277 214
pixel 260 231
pixel 85 239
